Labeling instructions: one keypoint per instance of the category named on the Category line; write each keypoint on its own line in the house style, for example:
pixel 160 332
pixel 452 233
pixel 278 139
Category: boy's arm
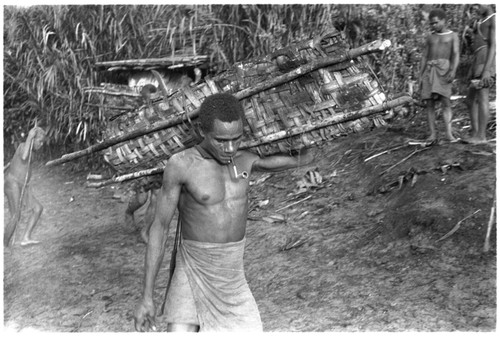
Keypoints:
pixel 423 61
pixel 455 56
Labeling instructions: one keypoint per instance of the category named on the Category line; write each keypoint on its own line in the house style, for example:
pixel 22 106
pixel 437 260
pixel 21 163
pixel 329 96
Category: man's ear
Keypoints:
pixel 199 132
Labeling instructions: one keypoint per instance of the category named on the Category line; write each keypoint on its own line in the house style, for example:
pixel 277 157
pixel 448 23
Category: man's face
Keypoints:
pixel 436 24
pixel 224 140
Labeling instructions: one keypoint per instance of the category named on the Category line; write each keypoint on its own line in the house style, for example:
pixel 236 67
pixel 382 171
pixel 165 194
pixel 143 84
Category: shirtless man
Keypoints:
pixel 482 71
pixel 208 184
pixel 437 70
pixel 18 172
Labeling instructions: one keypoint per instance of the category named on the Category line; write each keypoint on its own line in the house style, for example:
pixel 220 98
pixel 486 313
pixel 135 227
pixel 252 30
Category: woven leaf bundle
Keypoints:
pixel 314 107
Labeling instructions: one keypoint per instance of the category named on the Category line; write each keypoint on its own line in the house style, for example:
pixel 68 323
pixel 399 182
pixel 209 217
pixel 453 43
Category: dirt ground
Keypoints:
pixel 361 250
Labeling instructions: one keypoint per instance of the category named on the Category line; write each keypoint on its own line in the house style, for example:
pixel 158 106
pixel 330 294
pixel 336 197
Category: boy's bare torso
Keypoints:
pixel 19 170
pixel 441 45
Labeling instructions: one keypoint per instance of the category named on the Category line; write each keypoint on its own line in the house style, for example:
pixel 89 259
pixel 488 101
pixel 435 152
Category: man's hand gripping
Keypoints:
pixel 144 317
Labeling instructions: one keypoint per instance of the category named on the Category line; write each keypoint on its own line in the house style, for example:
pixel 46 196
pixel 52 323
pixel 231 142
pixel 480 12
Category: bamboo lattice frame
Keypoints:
pixel 298 104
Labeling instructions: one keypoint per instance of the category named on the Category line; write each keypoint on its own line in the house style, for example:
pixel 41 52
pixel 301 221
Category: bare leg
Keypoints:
pixel 13 192
pixel 431 119
pixel 173 327
pixel 473 111
pixel 479 114
pixel 37 209
pixel 483 113
pixel 447 116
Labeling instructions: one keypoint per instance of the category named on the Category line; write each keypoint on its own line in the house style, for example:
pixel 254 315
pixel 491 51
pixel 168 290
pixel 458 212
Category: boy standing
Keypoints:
pixel 437 70
pixel 17 178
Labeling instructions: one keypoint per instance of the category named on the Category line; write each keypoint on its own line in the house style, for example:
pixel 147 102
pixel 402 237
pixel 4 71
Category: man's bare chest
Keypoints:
pixel 214 185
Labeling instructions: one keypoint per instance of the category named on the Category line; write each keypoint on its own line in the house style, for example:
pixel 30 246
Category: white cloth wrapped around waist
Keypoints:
pixel 434 79
pixel 223 298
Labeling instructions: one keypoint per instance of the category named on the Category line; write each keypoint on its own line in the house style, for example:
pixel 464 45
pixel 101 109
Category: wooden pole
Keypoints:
pixel 111 92
pixel 316 64
pixel 336 119
pixel 182 116
pixel 125 177
pixel 173 62
pixel 486 246
pixel 341 118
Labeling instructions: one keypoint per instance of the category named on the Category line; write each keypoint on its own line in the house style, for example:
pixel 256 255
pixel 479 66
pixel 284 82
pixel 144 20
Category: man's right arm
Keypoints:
pixel 165 208
pixel 166 203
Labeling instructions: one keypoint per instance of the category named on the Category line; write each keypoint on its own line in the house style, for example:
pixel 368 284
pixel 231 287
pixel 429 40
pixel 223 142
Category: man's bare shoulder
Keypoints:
pixel 185 157
pixel 179 166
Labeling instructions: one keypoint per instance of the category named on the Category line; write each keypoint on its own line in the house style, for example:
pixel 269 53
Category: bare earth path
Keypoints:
pixel 359 251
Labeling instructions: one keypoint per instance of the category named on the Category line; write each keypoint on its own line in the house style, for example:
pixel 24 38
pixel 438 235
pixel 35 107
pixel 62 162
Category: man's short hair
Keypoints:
pixel 437 13
pixel 224 107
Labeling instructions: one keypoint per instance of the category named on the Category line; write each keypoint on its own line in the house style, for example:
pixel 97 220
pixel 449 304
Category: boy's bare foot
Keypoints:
pixel 475 140
pixel 451 140
pixel 431 141
pixel 29 242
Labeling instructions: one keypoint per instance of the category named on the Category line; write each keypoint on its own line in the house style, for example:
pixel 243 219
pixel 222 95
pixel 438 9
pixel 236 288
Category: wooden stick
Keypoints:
pixel 125 177
pixel 293 203
pixel 403 160
pixel 336 119
pixel 273 137
pixel 457 226
pixel 112 93
pixel 313 65
pixel 183 116
pixel 386 151
pixel 486 246
pixel 126 109
pixel 163 61
pixel 173 257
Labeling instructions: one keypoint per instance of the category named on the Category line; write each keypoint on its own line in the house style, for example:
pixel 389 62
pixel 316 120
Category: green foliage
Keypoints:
pixel 49 51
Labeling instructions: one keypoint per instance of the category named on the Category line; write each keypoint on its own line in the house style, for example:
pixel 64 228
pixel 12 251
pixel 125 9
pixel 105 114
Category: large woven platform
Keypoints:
pixel 282 118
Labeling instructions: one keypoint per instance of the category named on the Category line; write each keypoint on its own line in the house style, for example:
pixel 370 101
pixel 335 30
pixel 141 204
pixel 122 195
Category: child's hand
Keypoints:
pixel 486 79
pixel 33 132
